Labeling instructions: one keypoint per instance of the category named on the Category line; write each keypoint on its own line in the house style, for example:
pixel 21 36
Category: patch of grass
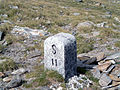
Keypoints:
pixel 84 45
pixel 43 78
pixel 1 48
pixel 117 44
pixel 8 65
pixel 54 75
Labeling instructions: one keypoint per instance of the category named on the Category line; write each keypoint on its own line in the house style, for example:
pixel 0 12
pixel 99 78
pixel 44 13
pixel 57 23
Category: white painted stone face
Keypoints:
pixel 60 54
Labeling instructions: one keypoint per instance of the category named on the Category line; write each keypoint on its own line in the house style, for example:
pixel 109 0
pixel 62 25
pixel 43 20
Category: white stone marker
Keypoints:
pixel 60 54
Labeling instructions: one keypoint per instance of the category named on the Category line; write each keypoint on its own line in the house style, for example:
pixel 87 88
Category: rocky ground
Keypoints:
pixel 24 25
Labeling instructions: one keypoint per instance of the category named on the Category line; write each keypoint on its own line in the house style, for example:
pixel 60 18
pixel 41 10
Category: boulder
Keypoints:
pixel 104 80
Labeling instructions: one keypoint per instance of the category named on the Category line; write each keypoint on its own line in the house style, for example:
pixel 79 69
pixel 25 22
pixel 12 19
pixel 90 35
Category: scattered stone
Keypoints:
pixel 96 73
pixel 114 83
pixel 110 69
pixel 28 32
pixel 13 7
pixel 78 82
pixel 104 67
pixel 91 60
pixel 79 0
pixel 100 56
pixel 106 61
pixel 104 80
pixel 116 19
pixel 7 79
pixel 15 82
pixel 2 74
pixel 85 24
pixel 19 71
pixel 4 15
pixel 114 77
pixel 76 14
pixel 114 56
pixel 103 24
pixel 1 35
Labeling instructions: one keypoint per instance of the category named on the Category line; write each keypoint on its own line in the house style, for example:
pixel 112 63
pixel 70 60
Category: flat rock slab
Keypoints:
pixel 105 80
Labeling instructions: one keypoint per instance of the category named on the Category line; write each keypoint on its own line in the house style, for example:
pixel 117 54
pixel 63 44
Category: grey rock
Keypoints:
pixel 110 69
pixel 15 82
pixel 28 32
pixel 76 14
pixel 96 73
pixel 4 15
pixel 114 56
pixel 14 7
pixel 104 80
pixel 85 24
pixel 79 0
pixel 101 24
pixel 1 35
pixel 19 71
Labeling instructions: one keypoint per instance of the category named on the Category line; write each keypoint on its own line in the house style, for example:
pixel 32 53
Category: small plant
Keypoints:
pixel 9 64
pixel 54 75
pixel 84 45
pixel 117 44
pixel 43 78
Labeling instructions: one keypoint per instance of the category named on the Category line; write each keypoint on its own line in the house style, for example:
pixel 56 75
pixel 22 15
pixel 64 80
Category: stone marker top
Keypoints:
pixel 63 38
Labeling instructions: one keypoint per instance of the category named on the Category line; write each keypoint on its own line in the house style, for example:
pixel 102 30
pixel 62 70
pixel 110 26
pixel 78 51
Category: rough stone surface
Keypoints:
pixel 16 81
pixel 105 80
pixel 1 35
pixel 60 54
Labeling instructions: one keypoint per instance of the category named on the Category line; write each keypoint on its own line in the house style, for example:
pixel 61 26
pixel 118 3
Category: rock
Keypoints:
pixel 28 32
pixel 1 35
pixel 85 24
pixel 96 73
pixel 110 69
pixel 4 15
pixel 76 14
pixel 114 56
pixel 34 53
pixel 104 80
pixel 114 83
pixel 13 7
pixel 101 24
pixel 79 0
pixel 7 79
pixel 2 74
pixel 106 61
pixel 15 82
pixel 100 56
pixel 104 67
pixel 114 78
pixel 19 71
pixel 116 19
pixel 78 82
pixel 91 60
pixel 94 34
pixel 83 58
